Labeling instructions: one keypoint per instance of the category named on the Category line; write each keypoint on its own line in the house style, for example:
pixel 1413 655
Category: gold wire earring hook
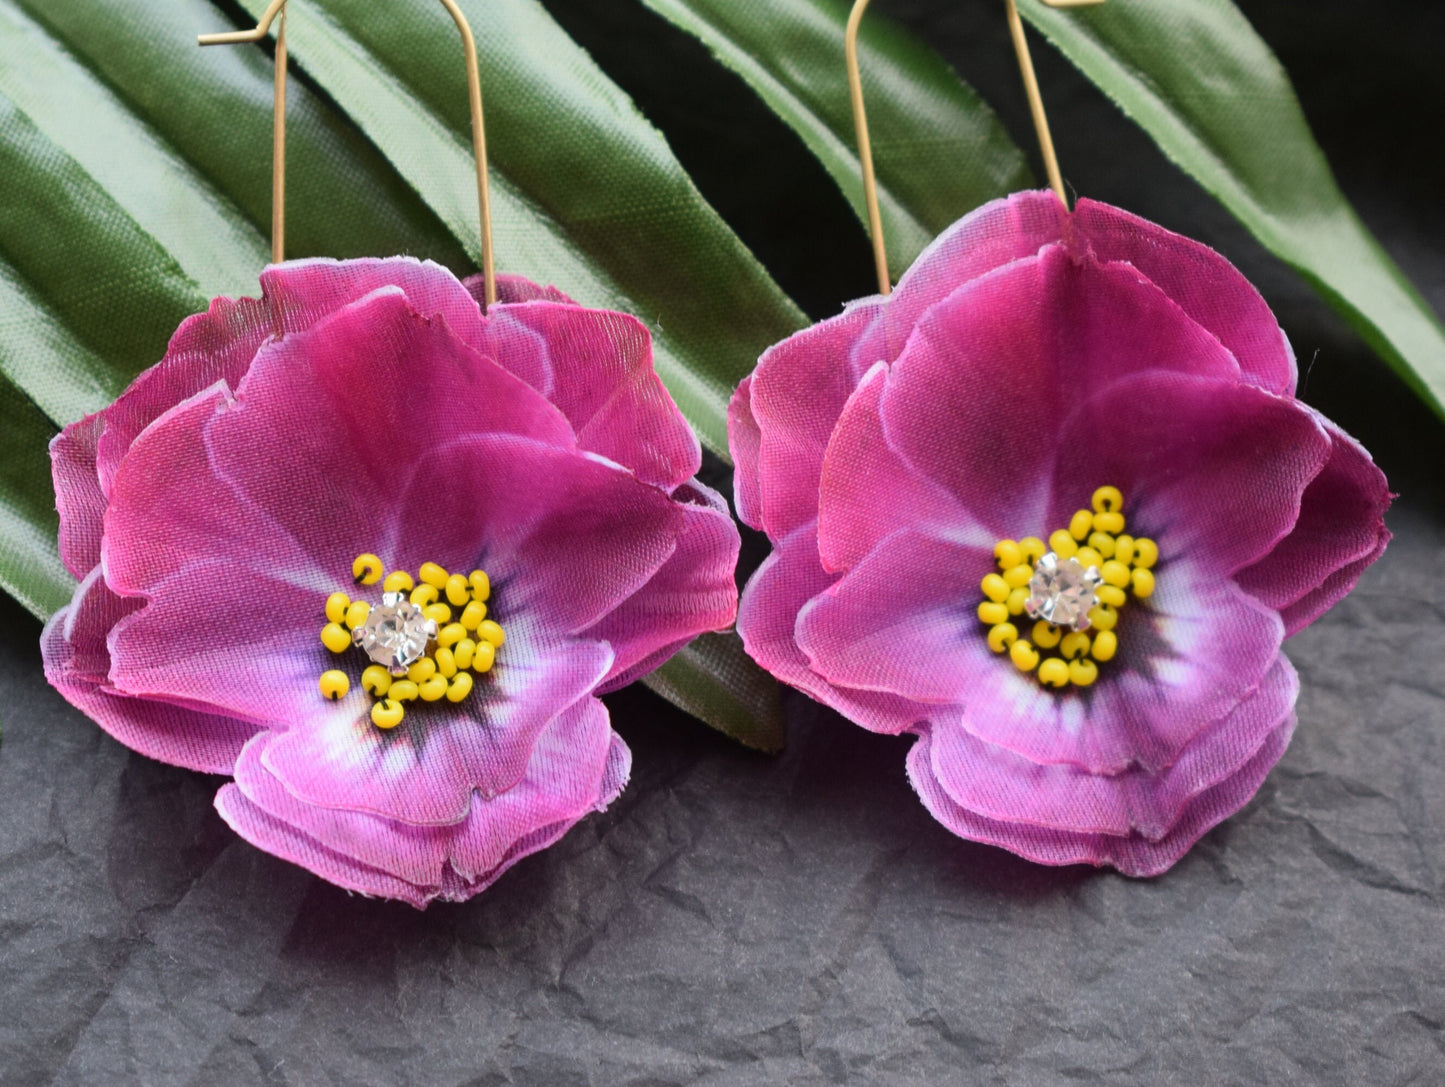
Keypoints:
pixel 278 157
pixel 860 120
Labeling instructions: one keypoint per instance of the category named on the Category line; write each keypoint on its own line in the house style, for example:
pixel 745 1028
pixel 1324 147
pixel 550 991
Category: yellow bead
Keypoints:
pixel 431 690
pixel 995 588
pixel 451 634
pixel 1087 556
pixel 387 714
pixel 1115 572
pixel 1143 584
pixel 1002 636
pixel 458 591
pixel 336 605
pixel 424 595
pixel 992 613
pixel 357 613
pixel 404 690
pixel 481 585
pixel 335 637
pixel 1062 544
pixel 438 613
pixel 433 575
pixel 1103 543
pixel 1109 522
pixel 334 684
pixel 1082 673
pixel 1074 645
pixel 1024 656
pixel 1017 600
pixel 1103 617
pixel 1146 553
pixel 1081 524
pixel 1112 595
pixel 484 657
pixel 1018 576
pixel 1033 548
pixel 446 663
pixel 376 680
pixel 1124 549
pixel 1046 635
pixel 460 687
pixel 1106 644
pixel 1054 673
pixel 488 631
pixel 366 569
pixel 473 614
pixel 398 581
pixel 422 670
pixel 463 652
pixel 1008 553
pixel 1105 500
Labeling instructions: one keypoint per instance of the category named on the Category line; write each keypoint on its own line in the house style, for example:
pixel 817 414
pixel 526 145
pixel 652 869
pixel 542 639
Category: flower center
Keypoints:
pixel 419 650
pixel 1074 584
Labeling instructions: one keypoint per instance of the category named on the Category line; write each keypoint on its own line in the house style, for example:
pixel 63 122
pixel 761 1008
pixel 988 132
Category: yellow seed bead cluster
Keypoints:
pixel 1062 658
pixel 467 641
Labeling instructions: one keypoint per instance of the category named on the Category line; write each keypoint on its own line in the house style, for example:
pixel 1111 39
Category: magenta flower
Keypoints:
pixel 364 416
pixel 935 458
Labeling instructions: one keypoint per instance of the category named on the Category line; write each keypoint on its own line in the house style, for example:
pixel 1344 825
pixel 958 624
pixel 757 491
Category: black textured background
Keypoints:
pixel 736 919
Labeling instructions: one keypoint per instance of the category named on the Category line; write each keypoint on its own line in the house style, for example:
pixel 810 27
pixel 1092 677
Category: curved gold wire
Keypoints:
pixel 278 141
pixel 860 119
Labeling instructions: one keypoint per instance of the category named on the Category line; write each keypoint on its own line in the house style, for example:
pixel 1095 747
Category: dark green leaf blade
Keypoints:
pixel 30 566
pixel 717 682
pixel 939 151
pixel 1197 78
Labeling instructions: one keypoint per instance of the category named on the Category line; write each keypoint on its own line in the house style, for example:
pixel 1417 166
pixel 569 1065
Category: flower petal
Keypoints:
pixel 1001 785
pixel 694 591
pixel 596 367
pixel 976 399
pixel 1212 470
pixel 768 616
pixel 1201 282
pixel 745 443
pixel 78 496
pixel 73 646
pixel 1340 531
pixel 1133 855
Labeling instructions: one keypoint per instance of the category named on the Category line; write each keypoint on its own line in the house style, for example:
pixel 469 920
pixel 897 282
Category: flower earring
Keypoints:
pixel 373 543
pixel 1052 506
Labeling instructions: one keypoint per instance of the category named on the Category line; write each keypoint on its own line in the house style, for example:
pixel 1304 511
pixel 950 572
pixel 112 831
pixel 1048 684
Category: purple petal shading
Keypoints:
pixel 691 593
pixel 798 390
pixel 424 771
pixel 566 537
pixel 1202 283
pixel 1340 531
pixel 768 615
pixel 596 367
pixel 1000 785
pixel 1210 469
pixel 868 492
pixel 1133 855
pixel 514 289
pixel 73 646
pixel 78 496
pixel 903 621
pixel 976 399
pixel 745 443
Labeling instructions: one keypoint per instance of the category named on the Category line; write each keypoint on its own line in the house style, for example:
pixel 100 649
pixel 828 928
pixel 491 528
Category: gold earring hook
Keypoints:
pixel 278 140
pixel 860 120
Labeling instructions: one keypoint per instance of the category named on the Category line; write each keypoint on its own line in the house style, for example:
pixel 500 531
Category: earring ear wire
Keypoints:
pixel 278 139
pixel 860 120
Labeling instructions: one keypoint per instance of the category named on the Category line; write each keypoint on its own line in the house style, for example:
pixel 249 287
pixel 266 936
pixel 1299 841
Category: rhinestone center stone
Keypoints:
pixel 1063 591
pixel 396 633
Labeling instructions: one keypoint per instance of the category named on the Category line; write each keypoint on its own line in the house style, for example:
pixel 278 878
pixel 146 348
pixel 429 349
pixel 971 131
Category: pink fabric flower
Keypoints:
pixel 1030 356
pixel 369 406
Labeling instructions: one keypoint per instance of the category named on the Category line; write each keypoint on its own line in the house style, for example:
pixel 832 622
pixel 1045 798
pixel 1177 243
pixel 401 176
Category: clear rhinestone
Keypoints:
pixel 1063 591
pixel 396 633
